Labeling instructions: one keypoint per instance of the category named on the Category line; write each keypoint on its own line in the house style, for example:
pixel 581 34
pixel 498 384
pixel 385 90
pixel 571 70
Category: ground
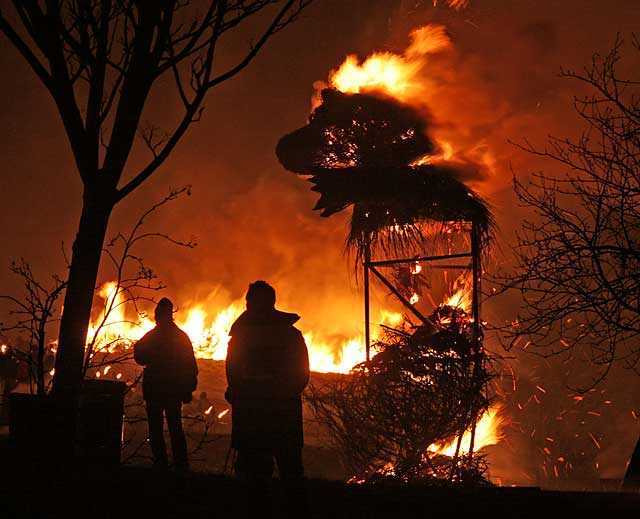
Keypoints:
pixel 138 491
pixel 36 490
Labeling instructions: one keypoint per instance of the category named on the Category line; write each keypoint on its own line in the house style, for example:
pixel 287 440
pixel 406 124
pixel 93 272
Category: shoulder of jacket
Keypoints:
pixel 151 333
pixel 184 335
pixel 297 334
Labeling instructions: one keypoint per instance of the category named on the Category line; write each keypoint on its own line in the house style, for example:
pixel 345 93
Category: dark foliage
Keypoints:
pixel 424 386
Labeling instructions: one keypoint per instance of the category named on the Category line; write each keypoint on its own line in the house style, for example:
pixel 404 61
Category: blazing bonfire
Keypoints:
pixel 368 145
pixel 373 152
pixel 427 381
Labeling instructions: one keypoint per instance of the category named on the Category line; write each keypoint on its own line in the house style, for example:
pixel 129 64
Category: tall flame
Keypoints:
pixel 209 333
pixel 395 75
pixel 404 78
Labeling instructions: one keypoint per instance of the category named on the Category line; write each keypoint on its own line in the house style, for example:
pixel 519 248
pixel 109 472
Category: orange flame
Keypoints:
pixel 489 431
pixel 404 78
pixel 210 336
pixel 391 74
pixel 461 297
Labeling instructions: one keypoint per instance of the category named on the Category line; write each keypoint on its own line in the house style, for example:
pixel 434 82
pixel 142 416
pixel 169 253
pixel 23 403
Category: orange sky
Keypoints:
pixel 251 218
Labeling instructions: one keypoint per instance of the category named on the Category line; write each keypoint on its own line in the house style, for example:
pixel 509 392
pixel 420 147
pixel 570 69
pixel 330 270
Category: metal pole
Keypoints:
pixel 454 461
pixel 402 299
pixel 420 258
pixel 367 330
pixel 475 310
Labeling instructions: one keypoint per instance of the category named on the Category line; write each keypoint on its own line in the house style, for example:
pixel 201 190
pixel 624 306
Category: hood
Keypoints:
pixel 270 317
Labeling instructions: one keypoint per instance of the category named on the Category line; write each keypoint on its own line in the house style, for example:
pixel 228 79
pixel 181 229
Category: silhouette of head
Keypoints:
pixel 164 311
pixel 260 296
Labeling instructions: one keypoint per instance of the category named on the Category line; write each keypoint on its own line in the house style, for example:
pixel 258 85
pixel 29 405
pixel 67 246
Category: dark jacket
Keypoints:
pixel 267 370
pixel 170 364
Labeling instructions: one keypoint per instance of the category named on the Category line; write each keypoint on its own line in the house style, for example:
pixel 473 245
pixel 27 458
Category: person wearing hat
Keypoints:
pixel 169 379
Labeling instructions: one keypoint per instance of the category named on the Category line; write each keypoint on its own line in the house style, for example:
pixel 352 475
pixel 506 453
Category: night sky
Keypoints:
pixel 250 217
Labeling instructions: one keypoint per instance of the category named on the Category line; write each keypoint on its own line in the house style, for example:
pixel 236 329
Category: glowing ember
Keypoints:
pixel 3 349
pixel 223 413
pixel 454 4
pixel 488 432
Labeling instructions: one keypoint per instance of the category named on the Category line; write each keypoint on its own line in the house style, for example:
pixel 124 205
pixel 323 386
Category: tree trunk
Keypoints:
pixel 83 273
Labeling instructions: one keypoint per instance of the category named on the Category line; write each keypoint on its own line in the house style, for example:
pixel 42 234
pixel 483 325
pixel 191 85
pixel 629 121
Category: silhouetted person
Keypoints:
pixel 170 376
pixel 8 381
pixel 267 370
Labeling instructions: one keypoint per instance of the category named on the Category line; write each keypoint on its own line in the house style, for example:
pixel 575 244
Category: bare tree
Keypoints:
pixel 31 314
pixel 100 60
pixel 131 286
pixel 578 258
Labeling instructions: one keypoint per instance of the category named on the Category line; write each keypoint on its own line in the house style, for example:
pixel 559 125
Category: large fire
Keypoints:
pixel 209 329
pixel 405 77
pixel 209 332
pixel 400 76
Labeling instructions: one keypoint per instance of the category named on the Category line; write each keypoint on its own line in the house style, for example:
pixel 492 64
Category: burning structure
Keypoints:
pixel 426 383
pixel 371 150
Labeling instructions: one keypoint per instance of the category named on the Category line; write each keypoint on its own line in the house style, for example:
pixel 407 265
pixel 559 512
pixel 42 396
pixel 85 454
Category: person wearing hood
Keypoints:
pixel 267 370
pixel 169 379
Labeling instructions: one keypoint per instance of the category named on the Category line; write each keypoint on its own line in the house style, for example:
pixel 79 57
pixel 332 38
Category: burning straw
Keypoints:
pixel 423 387
pixel 364 150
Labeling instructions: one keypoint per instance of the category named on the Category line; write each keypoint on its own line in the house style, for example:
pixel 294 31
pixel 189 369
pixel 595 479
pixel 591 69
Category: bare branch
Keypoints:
pixel 578 256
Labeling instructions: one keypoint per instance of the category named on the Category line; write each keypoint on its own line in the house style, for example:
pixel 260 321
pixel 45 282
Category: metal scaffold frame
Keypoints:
pixel 475 253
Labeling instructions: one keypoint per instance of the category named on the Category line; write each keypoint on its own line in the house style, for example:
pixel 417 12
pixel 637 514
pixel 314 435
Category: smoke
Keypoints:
pixel 497 84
